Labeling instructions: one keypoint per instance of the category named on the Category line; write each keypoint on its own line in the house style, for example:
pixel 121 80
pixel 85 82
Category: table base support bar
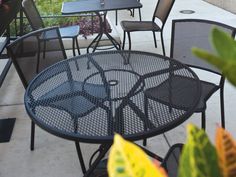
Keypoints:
pixel 151 154
pixel 103 30
pixel 103 150
pixel 97 39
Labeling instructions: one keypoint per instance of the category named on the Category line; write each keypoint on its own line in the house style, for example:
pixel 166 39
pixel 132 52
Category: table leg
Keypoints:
pixel 103 30
pixel 103 150
pixel 80 157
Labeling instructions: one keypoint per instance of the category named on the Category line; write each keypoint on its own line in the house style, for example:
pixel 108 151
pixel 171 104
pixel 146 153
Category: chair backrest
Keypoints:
pixel 188 33
pixel 162 10
pixel 32 14
pixel 32 53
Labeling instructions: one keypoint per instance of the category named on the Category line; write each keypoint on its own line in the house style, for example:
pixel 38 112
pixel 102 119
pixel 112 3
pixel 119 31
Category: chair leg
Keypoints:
pixel 44 48
pixel 162 43
pixel 92 23
pixel 32 136
pixel 123 45
pixel 133 13
pixel 140 17
pixel 154 37
pixel 79 153
pixel 204 120
pixel 77 45
pixel 73 46
pixel 145 142
pixel 129 40
pixel 146 114
pixel 38 56
pixel 116 16
pixel 222 107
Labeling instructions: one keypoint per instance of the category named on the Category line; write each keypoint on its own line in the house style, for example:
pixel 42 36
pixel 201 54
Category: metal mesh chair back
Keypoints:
pixel 33 52
pixel 188 33
pixel 32 14
pixel 162 10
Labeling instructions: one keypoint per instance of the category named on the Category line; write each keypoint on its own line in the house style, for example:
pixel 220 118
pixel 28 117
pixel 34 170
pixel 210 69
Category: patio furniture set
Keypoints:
pixel 89 98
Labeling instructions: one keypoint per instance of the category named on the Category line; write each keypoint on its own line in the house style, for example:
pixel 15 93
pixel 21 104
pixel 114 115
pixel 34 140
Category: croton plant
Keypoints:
pixel 199 157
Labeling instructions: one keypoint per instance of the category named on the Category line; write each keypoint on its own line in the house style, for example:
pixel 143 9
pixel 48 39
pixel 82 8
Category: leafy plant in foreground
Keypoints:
pixel 225 57
pixel 199 157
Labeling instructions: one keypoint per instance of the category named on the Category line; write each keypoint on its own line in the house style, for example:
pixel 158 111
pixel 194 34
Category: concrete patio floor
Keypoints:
pixel 57 157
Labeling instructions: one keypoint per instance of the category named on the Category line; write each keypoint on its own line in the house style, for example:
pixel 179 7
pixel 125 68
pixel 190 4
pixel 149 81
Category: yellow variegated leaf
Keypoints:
pixel 128 160
pixel 226 150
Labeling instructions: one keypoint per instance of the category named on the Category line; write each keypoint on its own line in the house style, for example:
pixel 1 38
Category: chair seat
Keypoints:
pixel 69 31
pixel 182 90
pixel 130 26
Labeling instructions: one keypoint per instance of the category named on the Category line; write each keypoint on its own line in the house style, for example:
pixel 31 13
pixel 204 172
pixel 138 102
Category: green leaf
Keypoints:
pixel 128 160
pixel 224 44
pixel 212 59
pixel 228 67
pixel 229 71
pixel 199 158
pixel 226 50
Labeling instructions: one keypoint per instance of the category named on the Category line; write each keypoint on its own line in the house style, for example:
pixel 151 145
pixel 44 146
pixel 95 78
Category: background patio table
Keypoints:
pixel 97 6
pixel 90 97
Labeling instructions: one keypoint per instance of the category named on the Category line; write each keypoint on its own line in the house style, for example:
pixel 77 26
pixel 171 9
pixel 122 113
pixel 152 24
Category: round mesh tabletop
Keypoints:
pixel 90 97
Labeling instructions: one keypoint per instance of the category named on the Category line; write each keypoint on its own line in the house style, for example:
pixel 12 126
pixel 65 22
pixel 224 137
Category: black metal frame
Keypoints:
pixel 222 79
pixel 74 38
pixel 154 36
pixel 21 75
pixel 104 8
pixel 9 62
pixel 103 30
pixel 106 141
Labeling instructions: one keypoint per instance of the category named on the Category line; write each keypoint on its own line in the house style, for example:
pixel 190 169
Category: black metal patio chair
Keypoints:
pixel 36 23
pixel 29 60
pixel 161 12
pixel 188 33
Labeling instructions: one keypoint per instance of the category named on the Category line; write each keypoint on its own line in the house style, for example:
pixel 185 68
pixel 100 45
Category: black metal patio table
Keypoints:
pixel 91 97
pixel 97 6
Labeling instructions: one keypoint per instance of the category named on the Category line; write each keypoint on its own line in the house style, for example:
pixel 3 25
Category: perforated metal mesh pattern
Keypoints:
pixel 33 52
pixel 90 97
pixel 188 33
